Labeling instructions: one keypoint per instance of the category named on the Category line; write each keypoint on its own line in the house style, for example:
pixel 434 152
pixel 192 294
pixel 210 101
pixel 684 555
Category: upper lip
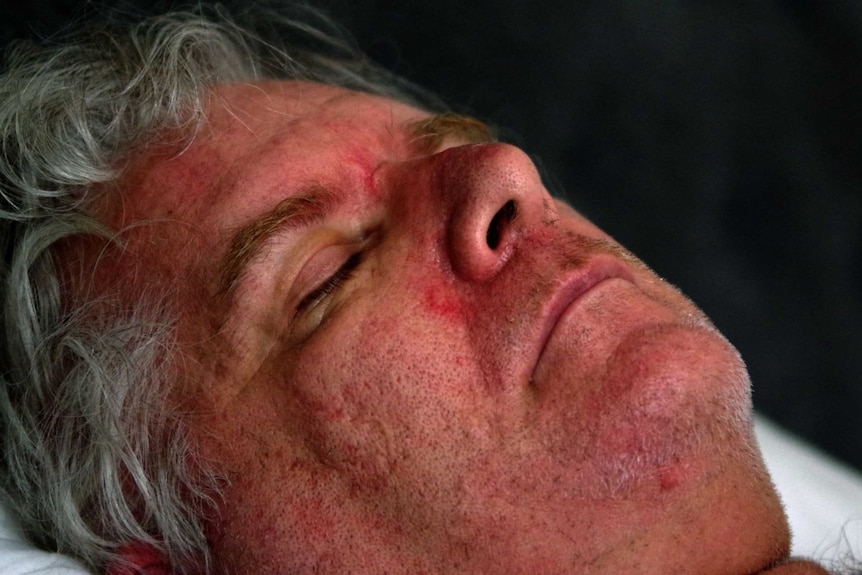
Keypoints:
pixel 572 287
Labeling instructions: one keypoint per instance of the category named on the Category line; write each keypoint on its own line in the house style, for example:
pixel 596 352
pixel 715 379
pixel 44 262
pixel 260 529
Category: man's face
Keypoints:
pixel 406 357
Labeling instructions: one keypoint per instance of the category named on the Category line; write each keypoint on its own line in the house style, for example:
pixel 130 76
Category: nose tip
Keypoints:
pixel 496 194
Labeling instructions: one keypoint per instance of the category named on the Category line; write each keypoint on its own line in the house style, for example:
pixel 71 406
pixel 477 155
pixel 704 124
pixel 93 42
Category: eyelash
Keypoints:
pixel 344 273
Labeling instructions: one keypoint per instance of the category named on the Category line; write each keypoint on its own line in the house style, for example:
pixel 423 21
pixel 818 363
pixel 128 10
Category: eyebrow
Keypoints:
pixel 429 134
pixel 248 241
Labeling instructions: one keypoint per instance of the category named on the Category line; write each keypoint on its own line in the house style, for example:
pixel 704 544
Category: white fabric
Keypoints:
pixel 823 497
pixel 18 557
pixel 823 500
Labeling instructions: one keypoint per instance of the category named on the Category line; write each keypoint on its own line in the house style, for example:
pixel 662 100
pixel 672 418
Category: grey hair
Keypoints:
pixel 94 456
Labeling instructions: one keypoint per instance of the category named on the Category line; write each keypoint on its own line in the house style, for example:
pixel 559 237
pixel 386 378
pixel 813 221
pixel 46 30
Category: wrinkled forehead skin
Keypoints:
pixel 388 389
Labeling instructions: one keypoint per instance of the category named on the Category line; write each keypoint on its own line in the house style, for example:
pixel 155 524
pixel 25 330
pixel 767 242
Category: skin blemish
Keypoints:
pixel 366 167
pixel 669 478
pixel 439 300
pixel 371 184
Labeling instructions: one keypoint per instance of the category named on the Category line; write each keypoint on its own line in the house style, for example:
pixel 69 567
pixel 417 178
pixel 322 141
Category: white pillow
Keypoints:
pixel 18 557
pixel 823 497
pixel 823 500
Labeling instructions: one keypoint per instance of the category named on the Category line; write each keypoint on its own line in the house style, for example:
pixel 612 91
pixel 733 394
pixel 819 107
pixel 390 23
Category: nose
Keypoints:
pixel 468 204
pixel 493 195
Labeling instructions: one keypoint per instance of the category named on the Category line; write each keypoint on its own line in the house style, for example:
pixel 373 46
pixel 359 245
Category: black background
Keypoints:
pixel 719 140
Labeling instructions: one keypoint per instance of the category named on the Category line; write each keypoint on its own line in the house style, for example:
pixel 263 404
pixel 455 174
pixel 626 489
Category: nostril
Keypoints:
pixel 499 223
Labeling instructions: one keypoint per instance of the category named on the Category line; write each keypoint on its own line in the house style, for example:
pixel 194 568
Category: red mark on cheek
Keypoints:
pixel 440 300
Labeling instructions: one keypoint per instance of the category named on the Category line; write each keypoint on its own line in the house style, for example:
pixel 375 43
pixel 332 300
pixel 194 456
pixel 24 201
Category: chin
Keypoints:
pixel 671 396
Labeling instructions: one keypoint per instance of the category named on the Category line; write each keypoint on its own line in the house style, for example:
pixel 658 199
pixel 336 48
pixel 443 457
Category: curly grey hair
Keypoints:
pixel 93 455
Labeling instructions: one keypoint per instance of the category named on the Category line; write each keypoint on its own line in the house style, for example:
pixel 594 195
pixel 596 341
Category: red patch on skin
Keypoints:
pixel 440 301
pixel 371 183
pixel 672 476
pixel 367 168
pixel 139 558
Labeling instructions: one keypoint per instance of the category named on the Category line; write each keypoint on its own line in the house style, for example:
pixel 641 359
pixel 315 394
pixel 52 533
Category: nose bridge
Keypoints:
pixel 476 200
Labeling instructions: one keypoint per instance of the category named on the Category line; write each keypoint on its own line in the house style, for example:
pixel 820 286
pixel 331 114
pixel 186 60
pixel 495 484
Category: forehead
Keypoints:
pixel 261 108
pixel 269 114
pixel 256 141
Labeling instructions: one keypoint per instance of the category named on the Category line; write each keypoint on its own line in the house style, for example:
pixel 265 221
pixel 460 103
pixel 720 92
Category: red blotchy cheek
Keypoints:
pixel 316 517
pixel 439 300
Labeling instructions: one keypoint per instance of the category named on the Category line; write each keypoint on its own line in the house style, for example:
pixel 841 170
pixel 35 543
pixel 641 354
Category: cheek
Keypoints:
pixel 389 408
pixel 391 382
pixel 439 300
pixel 389 367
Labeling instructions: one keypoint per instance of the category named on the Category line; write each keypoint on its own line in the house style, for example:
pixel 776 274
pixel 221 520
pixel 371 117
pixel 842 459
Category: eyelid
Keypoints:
pixel 342 252
pixel 331 283
pixel 320 264
pixel 310 303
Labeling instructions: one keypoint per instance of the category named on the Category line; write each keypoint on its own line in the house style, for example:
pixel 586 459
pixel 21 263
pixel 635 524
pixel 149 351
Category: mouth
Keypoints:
pixel 572 288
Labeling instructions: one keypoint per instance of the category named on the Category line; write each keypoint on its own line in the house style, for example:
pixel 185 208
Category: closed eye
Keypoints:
pixel 331 284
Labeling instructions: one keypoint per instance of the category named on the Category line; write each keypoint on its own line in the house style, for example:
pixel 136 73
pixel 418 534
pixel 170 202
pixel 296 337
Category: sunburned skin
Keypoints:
pixel 406 357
